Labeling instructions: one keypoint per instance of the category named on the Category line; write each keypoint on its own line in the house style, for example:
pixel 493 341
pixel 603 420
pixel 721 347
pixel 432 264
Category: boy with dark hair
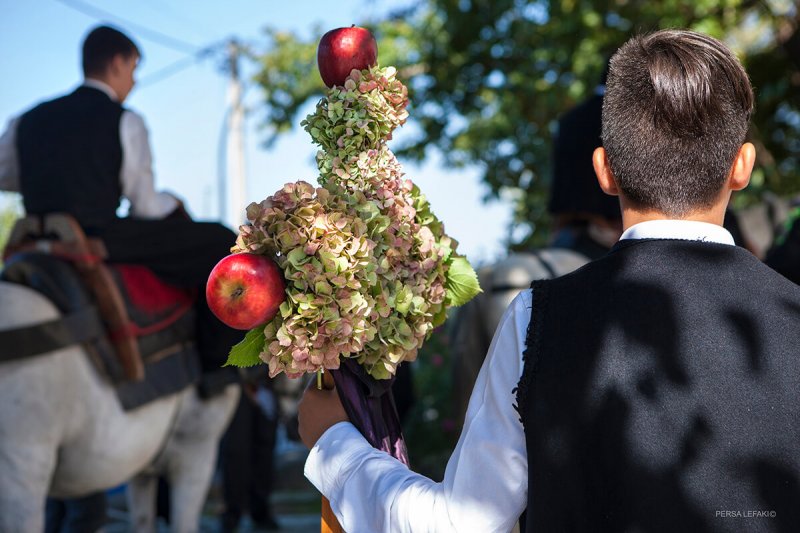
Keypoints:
pixel 100 48
pixel 656 388
pixel 675 121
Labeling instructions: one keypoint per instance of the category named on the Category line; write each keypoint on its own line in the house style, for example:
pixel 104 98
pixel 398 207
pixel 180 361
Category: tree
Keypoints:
pixel 9 212
pixel 489 78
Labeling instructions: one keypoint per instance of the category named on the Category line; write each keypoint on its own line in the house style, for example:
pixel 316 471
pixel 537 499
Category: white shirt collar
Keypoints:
pixel 688 230
pixel 101 86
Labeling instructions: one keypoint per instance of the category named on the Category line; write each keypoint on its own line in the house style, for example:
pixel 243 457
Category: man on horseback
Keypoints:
pixel 84 152
pixel 81 154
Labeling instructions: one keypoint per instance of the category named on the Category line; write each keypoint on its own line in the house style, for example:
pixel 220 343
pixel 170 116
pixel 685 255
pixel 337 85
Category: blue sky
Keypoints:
pixel 40 44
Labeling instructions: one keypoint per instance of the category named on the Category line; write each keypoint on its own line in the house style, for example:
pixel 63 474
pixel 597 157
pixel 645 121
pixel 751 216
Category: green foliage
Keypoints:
pixel 488 79
pixel 246 353
pixel 462 282
pixel 430 429
pixel 286 78
pixel 9 213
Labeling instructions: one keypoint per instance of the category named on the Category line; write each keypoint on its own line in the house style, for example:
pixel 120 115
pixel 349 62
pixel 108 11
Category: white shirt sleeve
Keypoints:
pixel 485 484
pixel 136 175
pixel 9 162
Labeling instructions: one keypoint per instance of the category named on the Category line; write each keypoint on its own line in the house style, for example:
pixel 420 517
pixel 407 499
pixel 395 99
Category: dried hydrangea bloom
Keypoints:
pixel 365 260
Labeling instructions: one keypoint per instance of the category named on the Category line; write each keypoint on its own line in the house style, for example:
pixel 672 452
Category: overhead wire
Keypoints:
pixel 146 33
pixel 177 66
pixel 164 9
pixel 196 52
pixel 167 71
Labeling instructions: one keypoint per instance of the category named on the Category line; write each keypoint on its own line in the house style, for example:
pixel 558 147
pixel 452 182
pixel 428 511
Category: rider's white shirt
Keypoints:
pixel 485 484
pixel 136 171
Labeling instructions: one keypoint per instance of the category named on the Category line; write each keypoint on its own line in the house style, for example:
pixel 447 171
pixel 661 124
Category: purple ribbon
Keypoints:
pixel 369 404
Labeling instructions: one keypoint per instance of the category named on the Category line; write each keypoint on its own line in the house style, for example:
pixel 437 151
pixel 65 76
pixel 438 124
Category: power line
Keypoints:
pixel 170 70
pixel 196 52
pixel 178 66
pixel 165 9
pixel 146 33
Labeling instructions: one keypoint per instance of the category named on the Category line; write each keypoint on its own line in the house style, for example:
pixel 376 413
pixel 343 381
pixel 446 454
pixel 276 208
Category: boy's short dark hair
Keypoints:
pixel 100 47
pixel 675 113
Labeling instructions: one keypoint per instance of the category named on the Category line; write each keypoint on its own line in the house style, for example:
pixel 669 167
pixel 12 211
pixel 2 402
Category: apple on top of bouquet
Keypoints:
pixel 357 267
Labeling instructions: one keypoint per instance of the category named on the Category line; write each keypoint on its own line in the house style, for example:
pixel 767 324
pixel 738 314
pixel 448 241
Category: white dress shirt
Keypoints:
pixel 485 486
pixel 136 171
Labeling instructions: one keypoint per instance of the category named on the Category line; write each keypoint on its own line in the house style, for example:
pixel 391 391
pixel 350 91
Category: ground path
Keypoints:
pixel 295 501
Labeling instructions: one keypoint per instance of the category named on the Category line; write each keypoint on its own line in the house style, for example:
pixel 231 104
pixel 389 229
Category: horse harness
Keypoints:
pixel 53 256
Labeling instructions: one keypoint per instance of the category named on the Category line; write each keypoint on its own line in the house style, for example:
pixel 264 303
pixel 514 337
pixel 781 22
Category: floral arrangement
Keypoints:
pixel 369 269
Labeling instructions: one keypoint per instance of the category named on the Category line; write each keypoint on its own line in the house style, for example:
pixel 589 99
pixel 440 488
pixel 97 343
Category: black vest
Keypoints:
pixel 70 157
pixel 661 392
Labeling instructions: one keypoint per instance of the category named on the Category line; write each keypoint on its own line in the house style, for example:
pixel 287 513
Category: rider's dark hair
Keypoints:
pixel 100 47
pixel 675 113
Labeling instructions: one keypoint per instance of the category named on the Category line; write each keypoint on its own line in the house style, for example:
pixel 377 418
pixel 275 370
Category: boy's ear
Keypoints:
pixel 742 167
pixel 603 171
pixel 115 65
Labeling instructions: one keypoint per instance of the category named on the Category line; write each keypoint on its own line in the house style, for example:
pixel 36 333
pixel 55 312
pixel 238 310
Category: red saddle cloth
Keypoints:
pixel 162 319
pixel 152 304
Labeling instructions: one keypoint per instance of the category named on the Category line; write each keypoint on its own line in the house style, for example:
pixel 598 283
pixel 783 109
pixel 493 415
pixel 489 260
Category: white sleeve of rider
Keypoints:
pixel 136 173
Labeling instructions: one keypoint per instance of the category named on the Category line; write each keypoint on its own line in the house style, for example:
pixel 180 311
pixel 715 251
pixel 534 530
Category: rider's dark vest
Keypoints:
pixel 70 157
pixel 661 392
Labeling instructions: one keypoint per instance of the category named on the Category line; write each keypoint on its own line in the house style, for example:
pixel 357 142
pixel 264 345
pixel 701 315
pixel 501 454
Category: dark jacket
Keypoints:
pixel 660 393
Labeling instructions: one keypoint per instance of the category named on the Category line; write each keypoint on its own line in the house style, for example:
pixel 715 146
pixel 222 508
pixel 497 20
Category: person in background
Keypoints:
pixel 784 255
pixel 247 456
pixel 586 224
pixel 654 389
pixel 585 219
pixel 78 515
pixel 84 152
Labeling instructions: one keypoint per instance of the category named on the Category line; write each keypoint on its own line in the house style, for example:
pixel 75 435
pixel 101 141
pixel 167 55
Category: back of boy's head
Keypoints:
pixel 101 45
pixel 675 113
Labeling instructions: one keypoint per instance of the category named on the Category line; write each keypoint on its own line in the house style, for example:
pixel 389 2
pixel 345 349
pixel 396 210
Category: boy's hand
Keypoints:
pixel 318 410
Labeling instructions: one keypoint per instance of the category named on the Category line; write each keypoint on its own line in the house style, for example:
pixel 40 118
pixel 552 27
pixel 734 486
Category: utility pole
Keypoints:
pixel 233 186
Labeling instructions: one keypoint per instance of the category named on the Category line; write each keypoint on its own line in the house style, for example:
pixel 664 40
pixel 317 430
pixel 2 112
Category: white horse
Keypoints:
pixel 64 434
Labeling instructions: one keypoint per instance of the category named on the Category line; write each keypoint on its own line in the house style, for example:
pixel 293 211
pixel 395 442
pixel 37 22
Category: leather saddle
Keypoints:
pixel 107 308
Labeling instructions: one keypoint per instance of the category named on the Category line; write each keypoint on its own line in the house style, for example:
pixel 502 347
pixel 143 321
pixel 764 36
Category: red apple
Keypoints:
pixel 245 290
pixel 344 49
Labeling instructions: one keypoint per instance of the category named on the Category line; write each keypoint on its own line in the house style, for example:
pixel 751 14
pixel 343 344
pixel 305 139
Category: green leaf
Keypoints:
pixel 462 282
pixel 246 353
pixel 438 318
